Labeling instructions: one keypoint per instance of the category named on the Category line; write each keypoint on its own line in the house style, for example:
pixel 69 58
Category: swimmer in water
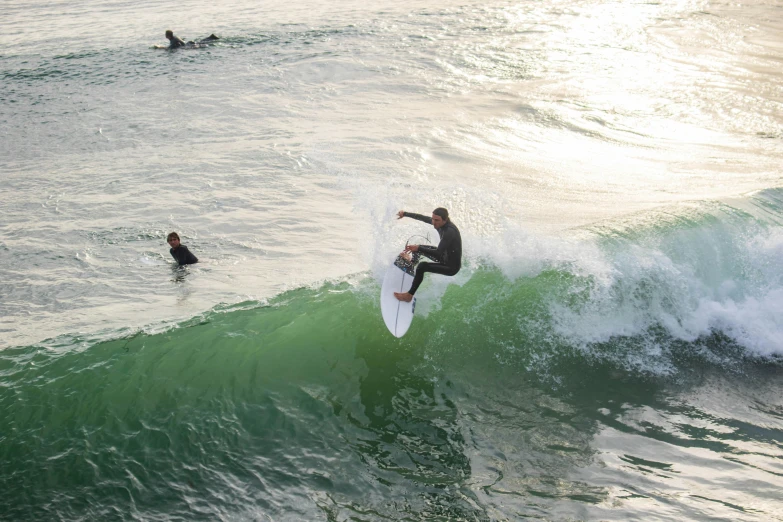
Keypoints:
pixel 179 251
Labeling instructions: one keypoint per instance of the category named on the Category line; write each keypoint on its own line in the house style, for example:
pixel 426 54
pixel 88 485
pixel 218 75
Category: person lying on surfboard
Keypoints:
pixel 175 41
pixel 447 255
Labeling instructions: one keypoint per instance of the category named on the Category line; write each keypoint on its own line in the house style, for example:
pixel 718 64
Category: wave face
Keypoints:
pixel 591 378
pixel 298 135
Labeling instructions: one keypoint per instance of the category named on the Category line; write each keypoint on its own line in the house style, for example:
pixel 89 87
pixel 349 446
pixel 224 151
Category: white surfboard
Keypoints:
pixel 397 314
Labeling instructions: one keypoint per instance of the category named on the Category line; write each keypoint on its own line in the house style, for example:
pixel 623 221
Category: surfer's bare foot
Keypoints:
pixel 406 297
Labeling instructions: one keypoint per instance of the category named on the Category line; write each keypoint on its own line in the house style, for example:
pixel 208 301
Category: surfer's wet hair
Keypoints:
pixel 442 212
pixel 173 235
pixel 169 32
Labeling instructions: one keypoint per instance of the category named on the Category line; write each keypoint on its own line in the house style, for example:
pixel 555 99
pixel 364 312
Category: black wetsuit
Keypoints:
pixel 448 253
pixel 183 255
pixel 175 42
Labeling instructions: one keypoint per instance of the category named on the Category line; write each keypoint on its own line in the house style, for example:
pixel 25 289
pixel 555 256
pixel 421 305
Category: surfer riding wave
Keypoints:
pixel 447 255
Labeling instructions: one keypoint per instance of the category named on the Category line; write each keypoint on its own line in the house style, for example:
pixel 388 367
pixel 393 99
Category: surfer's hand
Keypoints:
pixel 412 248
pixel 400 214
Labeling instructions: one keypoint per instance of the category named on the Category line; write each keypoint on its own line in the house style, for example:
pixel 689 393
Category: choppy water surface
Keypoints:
pixel 611 349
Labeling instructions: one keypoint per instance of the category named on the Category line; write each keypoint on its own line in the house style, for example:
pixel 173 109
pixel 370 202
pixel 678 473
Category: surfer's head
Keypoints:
pixel 173 240
pixel 440 216
pixel 169 34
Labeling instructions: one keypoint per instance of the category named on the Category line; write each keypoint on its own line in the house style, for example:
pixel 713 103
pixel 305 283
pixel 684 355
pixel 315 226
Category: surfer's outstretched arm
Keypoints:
pixel 401 214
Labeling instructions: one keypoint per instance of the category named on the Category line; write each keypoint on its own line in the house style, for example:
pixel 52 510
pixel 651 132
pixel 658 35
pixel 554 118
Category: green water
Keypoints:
pixel 307 409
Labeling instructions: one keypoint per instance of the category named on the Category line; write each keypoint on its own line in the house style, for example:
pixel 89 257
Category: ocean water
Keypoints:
pixel 611 350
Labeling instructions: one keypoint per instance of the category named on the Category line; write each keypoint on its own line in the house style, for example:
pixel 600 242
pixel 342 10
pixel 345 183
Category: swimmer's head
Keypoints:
pixel 169 33
pixel 173 240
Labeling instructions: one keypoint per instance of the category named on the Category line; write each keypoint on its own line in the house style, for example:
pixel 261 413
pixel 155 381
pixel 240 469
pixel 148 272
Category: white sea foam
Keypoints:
pixel 733 288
